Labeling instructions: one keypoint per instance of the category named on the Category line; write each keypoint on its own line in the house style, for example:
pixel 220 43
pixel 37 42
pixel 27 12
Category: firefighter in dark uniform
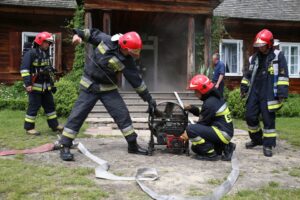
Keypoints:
pixel 265 84
pixel 212 134
pixel 35 70
pixel 112 55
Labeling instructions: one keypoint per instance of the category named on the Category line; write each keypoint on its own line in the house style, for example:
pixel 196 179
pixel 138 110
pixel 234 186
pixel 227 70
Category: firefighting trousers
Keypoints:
pixel 114 105
pixel 36 100
pixel 254 107
pixel 207 139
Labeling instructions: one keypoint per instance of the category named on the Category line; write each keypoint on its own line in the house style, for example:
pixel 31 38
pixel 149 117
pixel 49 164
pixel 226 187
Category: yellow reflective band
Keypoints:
pixel 69 135
pixel 37 88
pixel 220 135
pixel 107 87
pixel 283 83
pixel 115 64
pixel 211 151
pixel 141 88
pixel 126 133
pixel 85 84
pixel 274 106
pixel 225 112
pixel 30 120
pixel 102 48
pixel 52 116
pixel 268 135
pixel 25 74
pixel 202 141
pixel 254 131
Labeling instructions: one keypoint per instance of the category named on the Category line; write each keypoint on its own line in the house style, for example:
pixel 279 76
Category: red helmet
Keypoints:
pixel 264 37
pixel 132 42
pixel 43 36
pixel 201 83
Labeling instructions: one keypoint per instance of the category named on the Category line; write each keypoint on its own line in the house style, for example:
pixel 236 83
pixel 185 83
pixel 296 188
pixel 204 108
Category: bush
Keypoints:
pixel 65 97
pixel 236 104
pixel 291 108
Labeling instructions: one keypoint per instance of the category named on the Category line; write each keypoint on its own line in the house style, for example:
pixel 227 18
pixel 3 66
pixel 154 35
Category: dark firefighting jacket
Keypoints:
pixel 271 70
pixel 36 70
pixel 215 113
pixel 103 66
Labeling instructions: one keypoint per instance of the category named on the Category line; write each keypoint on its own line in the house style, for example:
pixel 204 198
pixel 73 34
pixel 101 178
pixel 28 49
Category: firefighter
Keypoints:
pixel 212 134
pixel 111 56
pixel 36 71
pixel 265 84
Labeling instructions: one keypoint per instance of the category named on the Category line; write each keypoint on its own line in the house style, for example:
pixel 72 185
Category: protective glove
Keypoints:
pixel 53 89
pixel 151 106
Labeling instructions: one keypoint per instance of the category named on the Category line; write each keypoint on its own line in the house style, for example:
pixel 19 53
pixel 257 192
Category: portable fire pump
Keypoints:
pixel 167 124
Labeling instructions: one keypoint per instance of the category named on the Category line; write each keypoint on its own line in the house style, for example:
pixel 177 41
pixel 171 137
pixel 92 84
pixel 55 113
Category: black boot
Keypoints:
pixel 268 151
pixel 228 151
pixel 208 157
pixel 133 147
pixel 65 154
pixel 252 144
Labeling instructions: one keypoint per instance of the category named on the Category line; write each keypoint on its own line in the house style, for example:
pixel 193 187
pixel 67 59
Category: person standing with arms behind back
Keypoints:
pixel 219 73
pixel 265 84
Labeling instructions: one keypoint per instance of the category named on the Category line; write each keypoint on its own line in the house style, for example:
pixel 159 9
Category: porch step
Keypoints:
pixel 99 117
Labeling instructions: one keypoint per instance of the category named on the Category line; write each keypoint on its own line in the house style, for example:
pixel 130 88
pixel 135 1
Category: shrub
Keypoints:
pixel 65 96
pixel 291 108
pixel 236 104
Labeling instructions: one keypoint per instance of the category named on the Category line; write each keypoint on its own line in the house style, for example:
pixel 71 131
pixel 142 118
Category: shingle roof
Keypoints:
pixel 41 3
pixel 287 10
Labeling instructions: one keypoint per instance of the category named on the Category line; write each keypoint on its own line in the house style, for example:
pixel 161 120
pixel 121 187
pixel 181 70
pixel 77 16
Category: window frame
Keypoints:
pixel 288 59
pixel 241 55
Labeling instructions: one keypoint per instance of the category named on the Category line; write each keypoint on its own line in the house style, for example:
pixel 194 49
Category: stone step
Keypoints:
pixel 139 101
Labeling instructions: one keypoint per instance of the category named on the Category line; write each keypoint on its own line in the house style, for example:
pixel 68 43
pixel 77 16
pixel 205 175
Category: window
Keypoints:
pixel 27 41
pixel 231 53
pixel 292 54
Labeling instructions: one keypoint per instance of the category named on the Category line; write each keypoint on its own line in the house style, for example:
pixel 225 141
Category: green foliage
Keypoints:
pixel 218 31
pixel 291 108
pixel 236 104
pixel 65 97
pixel 13 97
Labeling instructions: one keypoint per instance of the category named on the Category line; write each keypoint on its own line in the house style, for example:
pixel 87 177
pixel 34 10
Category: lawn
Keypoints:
pixel 288 129
pixel 23 180
pixel 13 136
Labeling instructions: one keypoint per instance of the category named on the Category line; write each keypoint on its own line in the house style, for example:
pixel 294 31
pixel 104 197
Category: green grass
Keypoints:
pixel 295 172
pixel 272 192
pixel 19 180
pixel 13 136
pixel 288 129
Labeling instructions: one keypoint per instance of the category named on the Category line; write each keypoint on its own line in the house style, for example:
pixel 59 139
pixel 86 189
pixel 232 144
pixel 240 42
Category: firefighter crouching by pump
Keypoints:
pixel 36 70
pixel 265 84
pixel 212 134
pixel 112 55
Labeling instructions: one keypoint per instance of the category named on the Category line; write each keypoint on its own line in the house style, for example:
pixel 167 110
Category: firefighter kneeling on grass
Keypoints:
pixel 112 55
pixel 211 135
pixel 35 70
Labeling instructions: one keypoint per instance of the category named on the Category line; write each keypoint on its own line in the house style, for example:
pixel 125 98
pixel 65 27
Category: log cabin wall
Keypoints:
pixel 246 29
pixel 15 20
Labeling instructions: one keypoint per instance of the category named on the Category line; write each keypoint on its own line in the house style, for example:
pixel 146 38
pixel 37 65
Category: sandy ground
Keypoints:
pixel 180 174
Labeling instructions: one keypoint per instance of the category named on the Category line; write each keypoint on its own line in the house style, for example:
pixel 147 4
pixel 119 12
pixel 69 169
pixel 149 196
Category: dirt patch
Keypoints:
pixel 180 174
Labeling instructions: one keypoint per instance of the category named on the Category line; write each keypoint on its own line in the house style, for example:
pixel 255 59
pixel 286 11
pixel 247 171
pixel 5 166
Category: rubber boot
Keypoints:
pixel 208 157
pixel 228 151
pixel 65 154
pixel 252 144
pixel 33 132
pixel 268 151
pixel 134 148
pixel 59 128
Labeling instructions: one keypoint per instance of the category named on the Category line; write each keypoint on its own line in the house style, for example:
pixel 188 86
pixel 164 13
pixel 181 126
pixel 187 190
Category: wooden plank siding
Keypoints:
pixel 174 6
pixel 246 29
pixel 15 20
